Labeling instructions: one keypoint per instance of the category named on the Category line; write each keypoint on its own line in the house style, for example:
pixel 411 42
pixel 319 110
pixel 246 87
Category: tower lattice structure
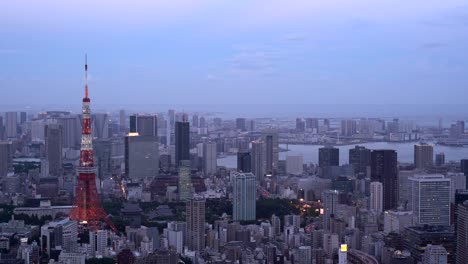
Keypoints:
pixel 87 205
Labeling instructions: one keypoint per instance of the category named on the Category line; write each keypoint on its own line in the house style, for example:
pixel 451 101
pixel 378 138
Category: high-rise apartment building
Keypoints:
pixel 185 184
pixel 258 160
pixel 384 169
pixel 376 197
pixel 271 152
pixel 423 156
pixel 209 158
pixel 348 127
pixel 330 207
pixel 430 199
pixel 5 158
pixel 182 141
pixel 195 218
pixel 11 124
pixel 244 196
pixel 53 144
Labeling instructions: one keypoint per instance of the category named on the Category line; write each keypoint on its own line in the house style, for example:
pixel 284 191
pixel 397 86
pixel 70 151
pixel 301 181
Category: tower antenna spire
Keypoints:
pixel 86 75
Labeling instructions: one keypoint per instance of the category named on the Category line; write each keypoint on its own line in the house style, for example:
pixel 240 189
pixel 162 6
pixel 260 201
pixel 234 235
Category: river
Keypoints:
pixel 405 152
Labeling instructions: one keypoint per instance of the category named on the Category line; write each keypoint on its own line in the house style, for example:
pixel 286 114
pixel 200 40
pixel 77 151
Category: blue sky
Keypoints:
pixel 231 52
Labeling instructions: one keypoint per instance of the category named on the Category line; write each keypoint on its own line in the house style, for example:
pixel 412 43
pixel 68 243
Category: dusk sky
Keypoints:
pixel 230 52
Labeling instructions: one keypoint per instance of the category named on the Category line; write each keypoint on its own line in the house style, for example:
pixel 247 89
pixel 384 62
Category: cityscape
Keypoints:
pixel 158 173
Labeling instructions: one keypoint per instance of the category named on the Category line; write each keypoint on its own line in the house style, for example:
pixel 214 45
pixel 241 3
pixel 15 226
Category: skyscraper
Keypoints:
pixel 195 120
pixel 423 156
pixel 144 125
pixel 241 124
pixel 122 124
pixel 439 159
pixel 312 123
pixel 209 158
pixel 462 233
pixel 71 130
pixel 11 124
pixel 360 158
pixel 195 218
pixel 348 127
pixel 329 156
pixel 5 158
pixel 244 160
pixel 23 118
pixel 54 143
pixel 244 196
pixel 258 160
pixel 330 204
pixel 376 196
pixel 271 152
pixel 435 254
pixel 185 184
pixel 100 125
pixel 430 199
pixel 464 168
pixel 141 157
pixel 384 168
pixel 182 141
pixel 300 125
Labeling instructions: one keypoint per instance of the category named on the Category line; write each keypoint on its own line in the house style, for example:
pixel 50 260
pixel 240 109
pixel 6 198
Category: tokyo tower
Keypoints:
pixel 87 205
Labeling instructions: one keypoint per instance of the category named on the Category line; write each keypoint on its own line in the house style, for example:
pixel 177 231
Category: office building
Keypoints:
pixel 195 218
pixel 295 165
pixel 244 196
pixel 384 169
pixel 71 130
pixel 11 124
pixel 423 156
pixel 271 152
pixel 100 125
pixel 329 156
pixel 185 184
pixel 435 254
pixel 53 134
pixel 102 157
pixel 312 123
pixel 430 199
pixel 376 197
pixel 360 158
pixel 182 141
pixel 416 238
pixel 462 233
pixel 439 159
pixel 343 254
pixel 144 125
pixel 304 255
pixel 396 221
pixel 244 162
pixel 330 207
pixel 300 125
pixel 348 127
pixel 258 160
pixel 209 158
pixel 464 168
pixel 241 124
pixel 141 157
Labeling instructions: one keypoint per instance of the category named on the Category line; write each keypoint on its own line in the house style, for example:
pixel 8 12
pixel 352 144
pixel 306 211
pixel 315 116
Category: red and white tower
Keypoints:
pixel 87 205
